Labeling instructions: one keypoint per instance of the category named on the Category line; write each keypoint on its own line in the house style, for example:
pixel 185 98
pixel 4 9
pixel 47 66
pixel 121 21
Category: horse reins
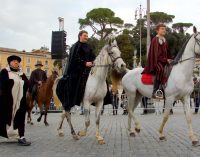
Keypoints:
pixel 113 59
pixel 197 41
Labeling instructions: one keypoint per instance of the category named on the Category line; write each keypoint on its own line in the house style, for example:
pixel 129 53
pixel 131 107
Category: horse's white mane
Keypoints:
pixel 100 59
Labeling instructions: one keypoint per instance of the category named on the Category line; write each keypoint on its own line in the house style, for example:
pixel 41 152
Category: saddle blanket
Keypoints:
pixel 147 79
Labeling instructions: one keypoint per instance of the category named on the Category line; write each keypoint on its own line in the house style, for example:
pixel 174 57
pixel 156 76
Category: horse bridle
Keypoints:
pixel 197 41
pixel 113 59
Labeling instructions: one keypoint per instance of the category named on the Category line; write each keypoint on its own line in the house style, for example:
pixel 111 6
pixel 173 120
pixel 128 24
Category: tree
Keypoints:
pixel 181 27
pixel 102 21
pixel 125 43
pixel 161 17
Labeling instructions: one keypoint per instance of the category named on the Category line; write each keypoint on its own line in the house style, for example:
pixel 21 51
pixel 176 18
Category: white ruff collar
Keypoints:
pixel 18 72
pixel 161 40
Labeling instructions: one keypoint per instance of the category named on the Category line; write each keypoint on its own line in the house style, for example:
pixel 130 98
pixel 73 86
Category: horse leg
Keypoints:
pixel 41 111
pixel 99 138
pixel 29 119
pixel 131 101
pixel 136 121
pixel 60 131
pixel 186 106
pixel 68 116
pixel 87 119
pixel 45 114
pixel 168 107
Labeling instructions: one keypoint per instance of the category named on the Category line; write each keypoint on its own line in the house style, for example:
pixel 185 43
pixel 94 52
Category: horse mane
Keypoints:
pixel 181 51
pixel 98 60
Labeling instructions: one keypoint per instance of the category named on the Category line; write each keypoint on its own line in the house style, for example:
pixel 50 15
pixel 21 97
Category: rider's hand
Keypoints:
pixel 169 61
pixel 39 82
pixel 89 64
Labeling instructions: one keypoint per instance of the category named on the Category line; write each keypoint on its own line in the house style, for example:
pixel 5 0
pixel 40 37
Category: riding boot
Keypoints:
pixel 155 89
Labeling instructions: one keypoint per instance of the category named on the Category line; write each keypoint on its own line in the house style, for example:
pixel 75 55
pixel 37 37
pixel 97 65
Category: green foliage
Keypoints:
pixel 102 21
pixel 181 27
pixel 161 17
pixel 125 43
pixel 96 44
pixel 57 63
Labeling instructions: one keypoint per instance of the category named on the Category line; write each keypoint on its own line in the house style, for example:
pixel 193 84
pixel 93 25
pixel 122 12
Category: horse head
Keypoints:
pixel 115 56
pixel 197 41
pixel 54 73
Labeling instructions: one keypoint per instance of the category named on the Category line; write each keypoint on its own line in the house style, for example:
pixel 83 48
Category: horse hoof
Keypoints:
pixel 46 124
pixel 101 142
pixel 195 143
pixel 82 133
pixel 132 134
pixel 38 120
pixel 137 130
pixel 76 137
pixel 28 122
pixel 163 138
pixel 60 133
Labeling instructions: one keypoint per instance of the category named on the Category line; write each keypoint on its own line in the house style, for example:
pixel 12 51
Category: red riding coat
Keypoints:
pixel 157 58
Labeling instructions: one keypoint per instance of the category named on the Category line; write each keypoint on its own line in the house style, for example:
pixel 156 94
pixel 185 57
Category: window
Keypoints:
pixel 46 63
pixel 28 70
pixel 28 60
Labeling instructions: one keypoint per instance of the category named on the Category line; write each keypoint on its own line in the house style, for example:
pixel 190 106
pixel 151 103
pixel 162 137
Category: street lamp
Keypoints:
pixel 139 11
pixel 135 59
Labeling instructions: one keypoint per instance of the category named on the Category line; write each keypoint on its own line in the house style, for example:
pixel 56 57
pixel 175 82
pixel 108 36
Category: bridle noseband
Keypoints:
pixel 113 59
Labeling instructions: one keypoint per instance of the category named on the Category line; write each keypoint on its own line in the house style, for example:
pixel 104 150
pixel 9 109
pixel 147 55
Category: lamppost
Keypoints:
pixel 148 26
pixel 135 59
pixel 139 11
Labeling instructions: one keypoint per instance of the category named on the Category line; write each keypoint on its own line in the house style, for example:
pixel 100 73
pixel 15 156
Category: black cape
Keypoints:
pixel 71 87
pixel 6 104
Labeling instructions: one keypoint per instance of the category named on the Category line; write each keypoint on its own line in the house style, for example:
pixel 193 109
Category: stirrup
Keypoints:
pixel 159 94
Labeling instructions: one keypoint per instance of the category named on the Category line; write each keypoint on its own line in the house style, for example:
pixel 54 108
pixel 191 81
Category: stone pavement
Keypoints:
pixel 46 143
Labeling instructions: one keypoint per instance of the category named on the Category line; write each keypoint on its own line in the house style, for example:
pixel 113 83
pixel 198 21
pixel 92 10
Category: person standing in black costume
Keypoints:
pixel 70 89
pixel 13 88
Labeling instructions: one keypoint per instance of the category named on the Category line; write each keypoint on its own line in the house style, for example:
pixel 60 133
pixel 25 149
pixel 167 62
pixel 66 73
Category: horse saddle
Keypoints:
pixel 148 79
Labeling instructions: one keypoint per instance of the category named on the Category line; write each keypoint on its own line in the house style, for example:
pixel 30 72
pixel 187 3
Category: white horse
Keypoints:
pixel 179 87
pixel 96 87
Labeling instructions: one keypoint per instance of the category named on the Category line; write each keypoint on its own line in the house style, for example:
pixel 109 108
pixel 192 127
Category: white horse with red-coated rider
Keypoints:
pixel 179 87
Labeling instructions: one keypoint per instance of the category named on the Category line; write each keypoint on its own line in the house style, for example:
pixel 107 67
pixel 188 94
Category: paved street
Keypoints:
pixel 46 143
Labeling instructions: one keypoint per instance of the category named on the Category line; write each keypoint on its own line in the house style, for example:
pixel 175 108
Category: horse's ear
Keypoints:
pixel 115 42
pixel 110 41
pixel 194 29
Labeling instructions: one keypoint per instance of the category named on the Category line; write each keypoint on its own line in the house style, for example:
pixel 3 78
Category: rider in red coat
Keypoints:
pixel 158 57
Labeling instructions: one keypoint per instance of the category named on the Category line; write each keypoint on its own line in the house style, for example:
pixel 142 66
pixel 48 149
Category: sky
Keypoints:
pixel 28 24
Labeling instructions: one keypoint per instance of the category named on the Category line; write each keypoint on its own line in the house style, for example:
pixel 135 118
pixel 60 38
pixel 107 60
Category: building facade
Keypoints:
pixel 29 59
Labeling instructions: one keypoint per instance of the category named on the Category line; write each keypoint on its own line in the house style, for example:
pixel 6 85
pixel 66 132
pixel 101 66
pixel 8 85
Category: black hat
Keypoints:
pixel 39 63
pixel 13 57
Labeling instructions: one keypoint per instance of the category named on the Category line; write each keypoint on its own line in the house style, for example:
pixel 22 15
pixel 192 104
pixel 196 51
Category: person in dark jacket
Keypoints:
pixel 71 87
pixel 13 88
pixel 37 77
pixel 158 57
